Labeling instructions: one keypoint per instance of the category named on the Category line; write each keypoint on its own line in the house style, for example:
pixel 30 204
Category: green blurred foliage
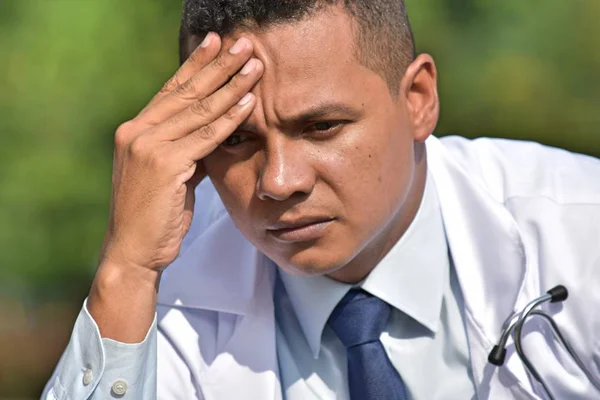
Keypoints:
pixel 518 69
pixel 72 70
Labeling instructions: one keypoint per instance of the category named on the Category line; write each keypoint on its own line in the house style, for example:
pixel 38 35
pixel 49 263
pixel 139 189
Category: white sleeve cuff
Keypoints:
pixel 96 368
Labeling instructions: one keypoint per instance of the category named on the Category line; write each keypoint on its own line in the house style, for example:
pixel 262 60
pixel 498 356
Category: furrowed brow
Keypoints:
pixel 322 110
pixel 313 113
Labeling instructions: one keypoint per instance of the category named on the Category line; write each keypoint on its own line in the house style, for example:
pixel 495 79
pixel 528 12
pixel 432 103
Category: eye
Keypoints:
pixel 323 129
pixel 324 126
pixel 234 140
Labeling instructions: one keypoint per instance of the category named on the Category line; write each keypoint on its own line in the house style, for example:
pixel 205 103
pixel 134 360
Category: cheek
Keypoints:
pixel 377 167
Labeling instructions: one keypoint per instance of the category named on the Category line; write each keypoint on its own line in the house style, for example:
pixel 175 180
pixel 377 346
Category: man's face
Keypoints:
pixel 320 172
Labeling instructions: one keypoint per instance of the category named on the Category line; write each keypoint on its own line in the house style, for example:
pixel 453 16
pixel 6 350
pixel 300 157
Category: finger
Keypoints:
pixel 203 141
pixel 204 83
pixel 205 111
pixel 200 58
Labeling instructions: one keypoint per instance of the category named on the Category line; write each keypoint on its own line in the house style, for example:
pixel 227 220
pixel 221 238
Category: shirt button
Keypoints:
pixel 119 388
pixel 88 376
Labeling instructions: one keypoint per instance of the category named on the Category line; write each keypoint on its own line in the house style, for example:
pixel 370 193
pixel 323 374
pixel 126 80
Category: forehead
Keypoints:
pixel 308 62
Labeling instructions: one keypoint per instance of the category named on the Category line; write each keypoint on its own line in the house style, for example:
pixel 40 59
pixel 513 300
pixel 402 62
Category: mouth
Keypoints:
pixel 300 230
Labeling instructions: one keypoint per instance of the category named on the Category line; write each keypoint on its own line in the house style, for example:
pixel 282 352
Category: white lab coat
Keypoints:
pixel 520 218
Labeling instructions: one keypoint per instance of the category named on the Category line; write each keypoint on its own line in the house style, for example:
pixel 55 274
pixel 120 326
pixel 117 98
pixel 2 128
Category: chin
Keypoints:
pixel 313 261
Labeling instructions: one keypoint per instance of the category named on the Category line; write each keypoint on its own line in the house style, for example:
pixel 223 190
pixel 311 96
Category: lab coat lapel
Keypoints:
pixel 218 271
pixel 221 271
pixel 490 262
pixel 248 366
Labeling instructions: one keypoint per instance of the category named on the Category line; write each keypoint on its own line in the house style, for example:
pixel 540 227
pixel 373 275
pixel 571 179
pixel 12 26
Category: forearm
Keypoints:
pixel 122 301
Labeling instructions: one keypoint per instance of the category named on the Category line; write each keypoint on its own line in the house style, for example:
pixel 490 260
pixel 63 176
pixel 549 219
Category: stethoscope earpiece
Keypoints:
pixel 559 293
pixel 497 356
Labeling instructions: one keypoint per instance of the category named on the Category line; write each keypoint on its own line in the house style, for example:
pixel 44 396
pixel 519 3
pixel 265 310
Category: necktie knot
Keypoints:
pixel 359 318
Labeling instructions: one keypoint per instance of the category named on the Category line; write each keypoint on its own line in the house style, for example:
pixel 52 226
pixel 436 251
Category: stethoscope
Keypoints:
pixel 514 324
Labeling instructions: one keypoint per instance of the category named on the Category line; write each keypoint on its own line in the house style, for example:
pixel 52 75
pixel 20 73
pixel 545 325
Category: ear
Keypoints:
pixel 418 90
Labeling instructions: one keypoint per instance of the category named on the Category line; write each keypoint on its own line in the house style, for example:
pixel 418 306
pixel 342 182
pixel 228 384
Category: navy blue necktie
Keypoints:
pixel 358 321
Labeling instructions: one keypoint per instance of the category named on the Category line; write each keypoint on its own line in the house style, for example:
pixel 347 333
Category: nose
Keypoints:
pixel 286 172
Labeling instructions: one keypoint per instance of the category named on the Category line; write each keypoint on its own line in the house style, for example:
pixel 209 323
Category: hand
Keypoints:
pixel 157 165
pixel 157 158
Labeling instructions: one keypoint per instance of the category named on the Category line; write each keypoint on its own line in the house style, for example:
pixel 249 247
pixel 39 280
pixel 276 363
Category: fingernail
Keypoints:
pixel 238 46
pixel 207 39
pixel 246 99
pixel 249 67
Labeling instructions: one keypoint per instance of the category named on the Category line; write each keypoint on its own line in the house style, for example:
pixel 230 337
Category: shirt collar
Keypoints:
pixel 410 277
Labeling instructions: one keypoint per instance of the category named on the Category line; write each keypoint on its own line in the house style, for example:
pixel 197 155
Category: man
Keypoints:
pixel 338 251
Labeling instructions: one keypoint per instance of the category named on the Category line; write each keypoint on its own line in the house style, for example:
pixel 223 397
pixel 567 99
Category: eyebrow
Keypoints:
pixel 316 112
pixel 322 110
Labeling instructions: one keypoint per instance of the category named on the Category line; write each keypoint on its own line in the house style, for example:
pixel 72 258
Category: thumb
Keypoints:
pixel 190 197
pixel 199 175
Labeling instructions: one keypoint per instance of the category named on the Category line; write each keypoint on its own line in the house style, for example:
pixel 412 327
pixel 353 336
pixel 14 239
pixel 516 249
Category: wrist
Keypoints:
pixel 111 273
pixel 122 301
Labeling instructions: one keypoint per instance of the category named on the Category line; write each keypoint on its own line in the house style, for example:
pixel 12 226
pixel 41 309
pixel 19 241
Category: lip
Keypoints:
pixel 300 230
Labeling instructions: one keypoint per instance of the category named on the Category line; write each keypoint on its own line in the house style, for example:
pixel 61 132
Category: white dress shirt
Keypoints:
pixel 425 338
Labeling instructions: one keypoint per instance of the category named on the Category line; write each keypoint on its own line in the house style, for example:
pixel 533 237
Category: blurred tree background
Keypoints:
pixel 71 71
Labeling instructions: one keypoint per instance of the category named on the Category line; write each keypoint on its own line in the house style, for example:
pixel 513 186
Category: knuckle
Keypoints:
pixel 172 84
pixel 202 107
pixel 234 84
pixel 183 89
pixel 124 133
pixel 139 147
pixel 220 62
pixel 232 114
pixel 159 161
pixel 224 65
pixel 195 59
pixel 207 132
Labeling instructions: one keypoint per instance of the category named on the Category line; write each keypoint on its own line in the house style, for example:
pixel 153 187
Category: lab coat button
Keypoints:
pixel 88 376
pixel 119 388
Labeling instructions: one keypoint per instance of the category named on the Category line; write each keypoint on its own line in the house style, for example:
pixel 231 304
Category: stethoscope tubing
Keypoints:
pixel 556 332
pixel 514 325
pixel 517 336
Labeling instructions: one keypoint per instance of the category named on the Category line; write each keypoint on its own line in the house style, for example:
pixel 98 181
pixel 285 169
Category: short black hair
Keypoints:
pixel 384 38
